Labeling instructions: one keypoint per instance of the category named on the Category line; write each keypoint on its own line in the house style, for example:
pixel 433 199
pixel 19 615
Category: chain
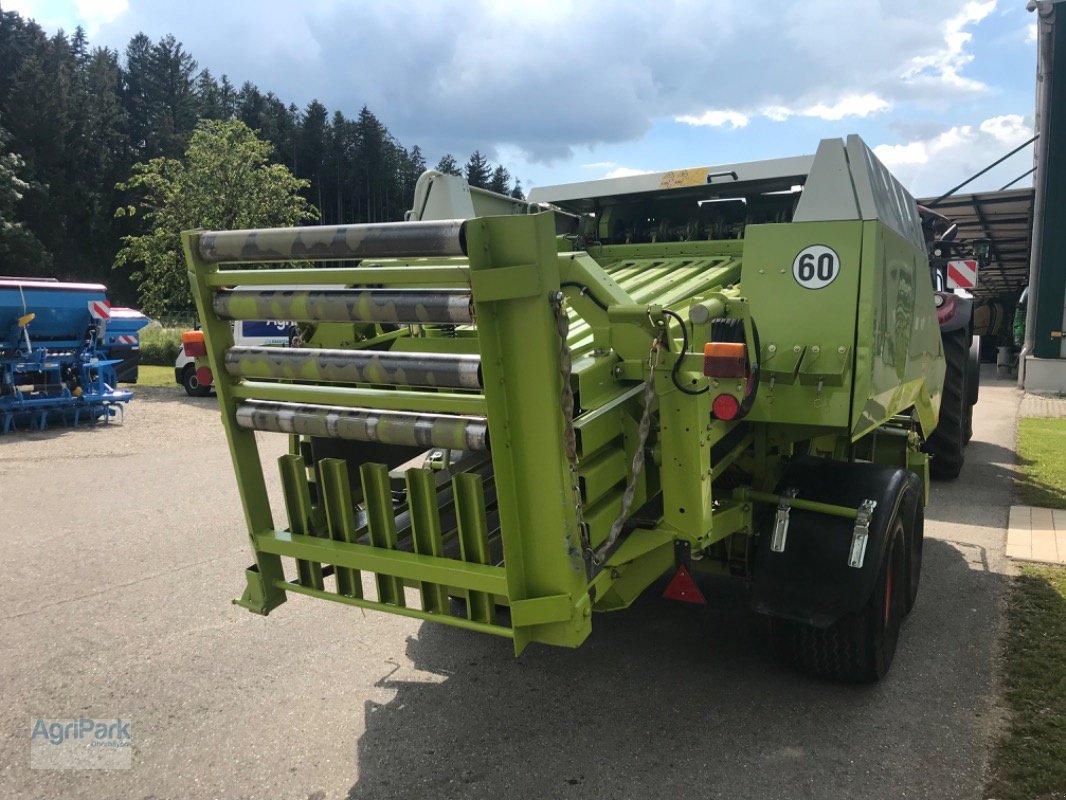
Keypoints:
pixel 562 326
pixel 637 465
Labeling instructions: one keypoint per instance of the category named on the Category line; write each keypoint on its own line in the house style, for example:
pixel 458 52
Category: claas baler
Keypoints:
pixel 507 415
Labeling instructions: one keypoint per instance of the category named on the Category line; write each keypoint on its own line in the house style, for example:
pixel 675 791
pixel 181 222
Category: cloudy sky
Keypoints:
pixel 562 90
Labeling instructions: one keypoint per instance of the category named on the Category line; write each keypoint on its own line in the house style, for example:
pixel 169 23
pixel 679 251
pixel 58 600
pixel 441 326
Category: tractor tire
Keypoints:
pixel 973 387
pixel 947 441
pixel 193 388
pixel 859 647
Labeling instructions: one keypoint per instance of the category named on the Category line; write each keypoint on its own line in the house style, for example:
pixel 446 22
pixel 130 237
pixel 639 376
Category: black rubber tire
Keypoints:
pixel 973 387
pixel 946 443
pixel 192 386
pixel 914 534
pixel 859 647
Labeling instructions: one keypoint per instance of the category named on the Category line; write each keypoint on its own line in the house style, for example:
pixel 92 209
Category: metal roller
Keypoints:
pixel 400 306
pixel 331 242
pixel 356 366
pixel 366 425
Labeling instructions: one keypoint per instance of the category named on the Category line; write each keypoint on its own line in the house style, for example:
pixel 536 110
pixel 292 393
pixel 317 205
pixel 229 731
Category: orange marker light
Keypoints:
pixel 725 360
pixel 193 342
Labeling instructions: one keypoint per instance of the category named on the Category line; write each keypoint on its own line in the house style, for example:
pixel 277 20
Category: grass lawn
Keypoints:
pixel 1030 763
pixel 1041 477
pixel 155 376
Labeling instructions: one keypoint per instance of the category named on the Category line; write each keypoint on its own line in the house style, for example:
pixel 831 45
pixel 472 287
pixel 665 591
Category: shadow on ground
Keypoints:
pixel 667 699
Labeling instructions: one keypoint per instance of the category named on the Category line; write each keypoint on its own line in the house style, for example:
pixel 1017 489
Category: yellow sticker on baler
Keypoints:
pixel 677 178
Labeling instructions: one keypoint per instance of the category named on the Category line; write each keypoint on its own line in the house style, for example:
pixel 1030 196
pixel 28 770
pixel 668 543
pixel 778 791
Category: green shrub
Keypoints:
pixel 160 346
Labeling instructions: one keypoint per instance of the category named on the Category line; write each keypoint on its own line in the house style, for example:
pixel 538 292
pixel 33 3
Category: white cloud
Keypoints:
pixel 945 65
pixel 932 165
pixel 599 165
pixel 455 93
pixel 1030 34
pixel 90 14
pixel 716 119
pixel 625 172
pixel 99 12
pixel 852 105
pixel 1010 129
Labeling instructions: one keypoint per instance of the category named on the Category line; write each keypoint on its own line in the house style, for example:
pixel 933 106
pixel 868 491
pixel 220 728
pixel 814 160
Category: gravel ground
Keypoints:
pixel 124 548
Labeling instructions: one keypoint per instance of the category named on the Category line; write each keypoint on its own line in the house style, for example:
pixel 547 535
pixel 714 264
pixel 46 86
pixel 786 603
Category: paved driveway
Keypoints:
pixel 123 548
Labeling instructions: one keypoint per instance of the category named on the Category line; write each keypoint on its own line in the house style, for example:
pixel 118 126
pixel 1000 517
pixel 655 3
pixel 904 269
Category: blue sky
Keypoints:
pixel 562 90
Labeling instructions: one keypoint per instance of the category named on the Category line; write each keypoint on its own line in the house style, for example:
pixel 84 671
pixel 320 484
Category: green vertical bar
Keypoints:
pixel 336 495
pixel 425 528
pixel 520 359
pixel 298 506
pixel 264 580
pixel 473 538
pixel 377 495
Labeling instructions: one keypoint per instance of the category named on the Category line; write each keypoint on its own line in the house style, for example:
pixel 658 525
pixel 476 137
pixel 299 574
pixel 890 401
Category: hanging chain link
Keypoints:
pixel 562 326
pixel 637 465
pixel 562 322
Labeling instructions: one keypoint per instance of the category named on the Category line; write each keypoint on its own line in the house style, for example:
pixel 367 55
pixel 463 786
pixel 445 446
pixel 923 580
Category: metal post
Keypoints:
pixel 520 361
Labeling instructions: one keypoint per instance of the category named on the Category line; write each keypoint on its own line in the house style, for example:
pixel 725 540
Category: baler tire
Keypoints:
pixel 191 385
pixel 914 535
pixel 947 441
pixel 859 647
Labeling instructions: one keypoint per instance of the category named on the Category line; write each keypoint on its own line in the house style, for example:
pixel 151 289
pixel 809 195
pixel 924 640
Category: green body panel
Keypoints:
pixel 466 408
pixel 898 335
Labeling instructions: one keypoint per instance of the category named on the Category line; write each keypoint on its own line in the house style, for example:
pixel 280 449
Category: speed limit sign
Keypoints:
pixel 816 266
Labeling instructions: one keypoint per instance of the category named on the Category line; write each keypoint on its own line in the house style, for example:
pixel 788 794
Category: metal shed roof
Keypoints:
pixel 1005 218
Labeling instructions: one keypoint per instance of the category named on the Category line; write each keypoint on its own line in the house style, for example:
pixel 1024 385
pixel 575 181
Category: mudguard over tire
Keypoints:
pixel 830 619
pixel 949 438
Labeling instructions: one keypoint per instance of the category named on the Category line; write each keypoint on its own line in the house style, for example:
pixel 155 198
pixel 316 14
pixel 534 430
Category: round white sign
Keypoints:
pixel 816 266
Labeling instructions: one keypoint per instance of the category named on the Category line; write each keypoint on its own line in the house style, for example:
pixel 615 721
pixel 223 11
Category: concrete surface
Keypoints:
pixel 124 546
pixel 1042 405
pixel 1037 534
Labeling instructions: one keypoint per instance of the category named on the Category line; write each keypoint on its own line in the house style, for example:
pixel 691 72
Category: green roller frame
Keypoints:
pixel 485 413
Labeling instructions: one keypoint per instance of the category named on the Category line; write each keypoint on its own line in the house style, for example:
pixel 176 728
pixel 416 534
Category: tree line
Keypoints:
pixel 75 120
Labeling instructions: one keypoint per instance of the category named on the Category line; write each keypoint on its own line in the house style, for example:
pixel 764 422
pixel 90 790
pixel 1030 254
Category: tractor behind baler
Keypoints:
pixel 550 408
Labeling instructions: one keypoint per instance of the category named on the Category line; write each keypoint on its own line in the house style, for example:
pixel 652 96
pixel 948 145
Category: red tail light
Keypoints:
pixel 725 406
pixel 204 376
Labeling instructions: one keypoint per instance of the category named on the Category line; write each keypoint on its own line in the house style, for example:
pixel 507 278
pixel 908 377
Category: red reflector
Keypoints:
pixel 204 376
pixel 193 342
pixel 725 359
pixel 683 588
pixel 725 406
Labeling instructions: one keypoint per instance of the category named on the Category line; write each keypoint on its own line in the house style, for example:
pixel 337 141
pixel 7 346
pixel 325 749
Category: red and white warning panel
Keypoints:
pixel 962 274
pixel 100 309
